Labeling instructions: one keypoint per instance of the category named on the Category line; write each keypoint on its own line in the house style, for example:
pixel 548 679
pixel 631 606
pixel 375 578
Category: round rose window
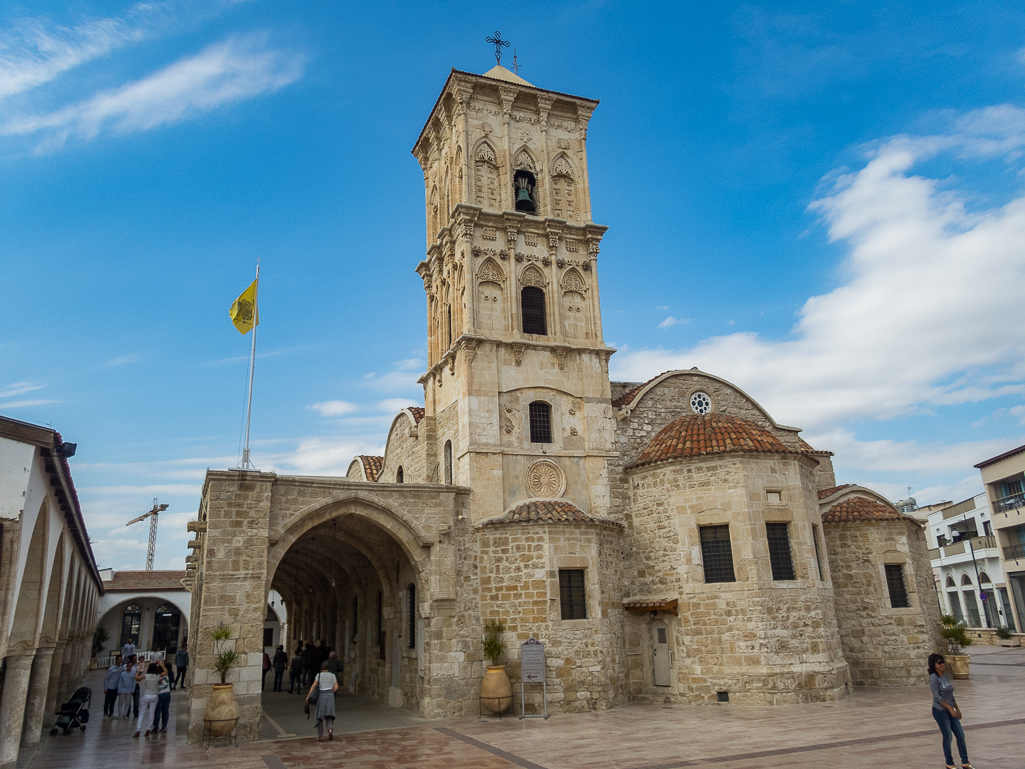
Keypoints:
pixel 700 403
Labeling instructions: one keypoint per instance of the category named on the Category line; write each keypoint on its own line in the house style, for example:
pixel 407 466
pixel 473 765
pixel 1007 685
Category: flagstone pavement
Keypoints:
pixel 873 727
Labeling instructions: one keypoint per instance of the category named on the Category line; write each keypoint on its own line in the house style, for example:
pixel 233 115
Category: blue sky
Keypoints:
pixel 824 205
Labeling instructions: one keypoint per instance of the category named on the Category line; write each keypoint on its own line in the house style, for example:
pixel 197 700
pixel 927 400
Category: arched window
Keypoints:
pixel 951 582
pixel 966 580
pixel 411 612
pixel 450 325
pixel 399 476
pixel 448 461
pixel 532 303
pixel 525 191
pixel 983 578
pixel 130 622
pixel 540 422
pixel 166 625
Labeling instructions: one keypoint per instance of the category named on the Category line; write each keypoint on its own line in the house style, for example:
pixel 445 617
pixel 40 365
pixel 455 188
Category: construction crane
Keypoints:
pixel 152 515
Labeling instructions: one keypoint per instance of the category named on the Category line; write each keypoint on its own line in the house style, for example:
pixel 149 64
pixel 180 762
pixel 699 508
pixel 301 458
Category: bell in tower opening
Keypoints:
pixel 525 184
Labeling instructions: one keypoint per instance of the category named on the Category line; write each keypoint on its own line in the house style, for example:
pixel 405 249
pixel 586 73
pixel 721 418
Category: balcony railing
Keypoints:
pixel 1014 552
pixel 1010 503
pixel 960 547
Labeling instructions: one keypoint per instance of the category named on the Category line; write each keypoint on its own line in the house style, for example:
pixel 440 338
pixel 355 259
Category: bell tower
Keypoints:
pixel 517 389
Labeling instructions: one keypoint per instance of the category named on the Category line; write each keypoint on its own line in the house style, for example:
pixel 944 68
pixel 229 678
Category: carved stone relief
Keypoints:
pixel 525 160
pixel 573 282
pixel 491 272
pixel 533 277
pixel 545 479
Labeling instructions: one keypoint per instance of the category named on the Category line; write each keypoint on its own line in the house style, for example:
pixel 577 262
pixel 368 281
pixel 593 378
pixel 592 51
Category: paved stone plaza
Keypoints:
pixel 874 727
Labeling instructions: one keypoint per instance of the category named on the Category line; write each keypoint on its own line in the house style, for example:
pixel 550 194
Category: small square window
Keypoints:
pixel 774 497
pixel 572 594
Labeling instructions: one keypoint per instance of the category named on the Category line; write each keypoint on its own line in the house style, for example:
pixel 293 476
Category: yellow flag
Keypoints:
pixel 244 313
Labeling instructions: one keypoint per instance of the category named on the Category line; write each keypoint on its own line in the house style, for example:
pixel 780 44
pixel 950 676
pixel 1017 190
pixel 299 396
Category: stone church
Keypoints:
pixel 668 541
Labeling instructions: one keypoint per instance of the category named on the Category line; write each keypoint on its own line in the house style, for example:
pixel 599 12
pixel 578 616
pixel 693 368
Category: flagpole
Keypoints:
pixel 246 464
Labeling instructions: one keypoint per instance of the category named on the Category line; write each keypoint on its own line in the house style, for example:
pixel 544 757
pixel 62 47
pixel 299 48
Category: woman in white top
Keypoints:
pixel 149 688
pixel 327 682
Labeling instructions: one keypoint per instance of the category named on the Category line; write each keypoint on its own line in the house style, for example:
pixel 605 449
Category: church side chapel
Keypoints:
pixel 668 541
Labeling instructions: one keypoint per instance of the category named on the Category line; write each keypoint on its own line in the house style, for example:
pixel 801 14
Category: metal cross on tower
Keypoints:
pixel 499 44
pixel 151 549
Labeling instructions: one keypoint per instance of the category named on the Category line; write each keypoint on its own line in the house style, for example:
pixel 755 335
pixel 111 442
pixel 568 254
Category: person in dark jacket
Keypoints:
pixel 295 672
pixel 280 662
pixel 309 656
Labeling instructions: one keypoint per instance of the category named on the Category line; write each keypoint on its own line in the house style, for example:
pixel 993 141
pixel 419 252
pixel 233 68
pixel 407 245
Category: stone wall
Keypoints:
pixel 519 584
pixel 763 641
pixel 884 646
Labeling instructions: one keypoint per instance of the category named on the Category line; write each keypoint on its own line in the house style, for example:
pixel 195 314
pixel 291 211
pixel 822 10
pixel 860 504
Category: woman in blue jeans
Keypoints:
pixel 946 712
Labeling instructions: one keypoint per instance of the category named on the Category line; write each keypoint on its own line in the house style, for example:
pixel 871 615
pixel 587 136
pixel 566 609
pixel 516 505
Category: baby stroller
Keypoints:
pixel 74 714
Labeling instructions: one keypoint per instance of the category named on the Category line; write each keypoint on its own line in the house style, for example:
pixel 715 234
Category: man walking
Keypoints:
pixel 125 687
pixel 110 682
pixel 181 663
pixel 280 662
pixel 128 650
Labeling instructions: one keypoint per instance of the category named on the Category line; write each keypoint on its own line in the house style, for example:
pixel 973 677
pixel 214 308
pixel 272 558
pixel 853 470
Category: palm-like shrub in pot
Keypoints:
pixel 495 688
pixel 957 638
pixel 221 714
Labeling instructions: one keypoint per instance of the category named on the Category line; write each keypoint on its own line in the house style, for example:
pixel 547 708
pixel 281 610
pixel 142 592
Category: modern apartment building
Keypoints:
pixel 1004 478
pixel 965 560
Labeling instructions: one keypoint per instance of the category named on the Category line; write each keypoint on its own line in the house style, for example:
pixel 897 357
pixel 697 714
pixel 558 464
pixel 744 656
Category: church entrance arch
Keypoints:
pixel 343 569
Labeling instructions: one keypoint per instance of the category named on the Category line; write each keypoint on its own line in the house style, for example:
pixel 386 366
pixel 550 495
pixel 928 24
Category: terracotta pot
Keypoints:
pixel 496 690
pixel 960 665
pixel 221 714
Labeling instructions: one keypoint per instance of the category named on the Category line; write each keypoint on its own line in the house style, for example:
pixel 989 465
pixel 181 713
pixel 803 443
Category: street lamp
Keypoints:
pixel 957 535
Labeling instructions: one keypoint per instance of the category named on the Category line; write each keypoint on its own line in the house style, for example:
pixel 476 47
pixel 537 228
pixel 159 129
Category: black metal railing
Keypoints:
pixel 1010 502
pixel 1013 552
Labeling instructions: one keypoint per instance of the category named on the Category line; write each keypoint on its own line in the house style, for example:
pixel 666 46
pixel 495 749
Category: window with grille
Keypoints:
pixel 717 554
pixel 572 595
pixel 532 302
pixel 779 551
pixel 411 611
pixel 818 555
pixel 130 623
pixel 895 584
pixel 540 422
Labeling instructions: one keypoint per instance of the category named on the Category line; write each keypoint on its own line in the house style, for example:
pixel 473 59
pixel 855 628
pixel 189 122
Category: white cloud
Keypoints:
pixel 324 456
pixel 671 321
pixel 925 314
pixel 334 408
pixel 19 388
pixel 224 73
pixel 24 404
pixel 34 51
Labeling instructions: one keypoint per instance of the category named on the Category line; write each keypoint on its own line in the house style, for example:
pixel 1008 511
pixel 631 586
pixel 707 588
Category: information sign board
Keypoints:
pixel 532 661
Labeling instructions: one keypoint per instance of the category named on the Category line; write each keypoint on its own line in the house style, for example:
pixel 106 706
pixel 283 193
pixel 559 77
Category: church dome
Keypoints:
pixel 698 435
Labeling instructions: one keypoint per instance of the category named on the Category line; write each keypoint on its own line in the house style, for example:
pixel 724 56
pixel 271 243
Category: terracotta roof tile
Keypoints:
pixel 371 465
pixel 418 413
pixel 696 435
pixel 547 511
pixel 145 580
pixel 823 493
pixel 861 509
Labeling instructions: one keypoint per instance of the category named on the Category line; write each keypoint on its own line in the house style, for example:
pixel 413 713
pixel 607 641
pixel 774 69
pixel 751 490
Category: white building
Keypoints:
pixel 966 563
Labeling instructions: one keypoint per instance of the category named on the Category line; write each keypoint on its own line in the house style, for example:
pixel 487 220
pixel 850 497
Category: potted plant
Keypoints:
pixel 1006 639
pixel 495 688
pixel 100 638
pixel 221 714
pixel 957 640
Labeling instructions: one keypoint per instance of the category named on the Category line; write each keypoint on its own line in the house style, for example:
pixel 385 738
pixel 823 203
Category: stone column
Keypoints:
pixel 12 707
pixel 64 683
pixel 39 687
pixel 55 672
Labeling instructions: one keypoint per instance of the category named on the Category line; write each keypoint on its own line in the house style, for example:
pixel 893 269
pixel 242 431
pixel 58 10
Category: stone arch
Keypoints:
pixel 486 177
pixel 491 315
pixel 25 628
pixel 524 158
pixel 54 596
pixel 575 314
pixel 359 504
pixel 563 193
